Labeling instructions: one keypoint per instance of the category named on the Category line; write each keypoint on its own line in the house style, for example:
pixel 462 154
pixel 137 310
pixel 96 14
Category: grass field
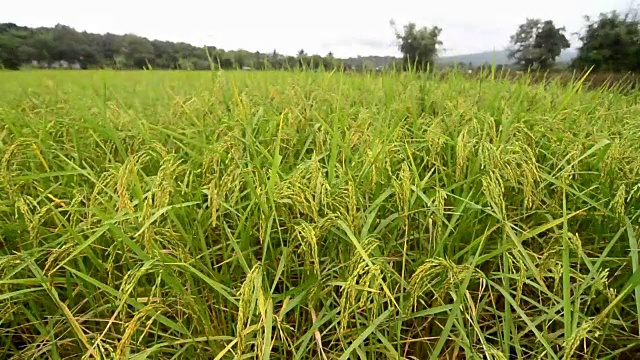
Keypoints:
pixel 203 215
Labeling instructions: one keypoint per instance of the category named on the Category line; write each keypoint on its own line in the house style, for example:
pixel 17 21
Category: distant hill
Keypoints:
pixel 477 59
pixel 500 57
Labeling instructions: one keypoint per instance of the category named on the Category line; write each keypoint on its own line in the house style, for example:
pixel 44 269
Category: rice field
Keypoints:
pixel 276 215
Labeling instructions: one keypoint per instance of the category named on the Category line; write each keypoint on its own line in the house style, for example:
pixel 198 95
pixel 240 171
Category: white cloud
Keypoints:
pixel 347 28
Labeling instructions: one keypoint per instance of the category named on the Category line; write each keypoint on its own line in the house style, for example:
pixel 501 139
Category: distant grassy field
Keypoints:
pixel 178 215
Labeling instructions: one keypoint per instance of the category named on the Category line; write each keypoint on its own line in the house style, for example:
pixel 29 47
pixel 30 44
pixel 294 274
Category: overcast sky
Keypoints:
pixel 347 28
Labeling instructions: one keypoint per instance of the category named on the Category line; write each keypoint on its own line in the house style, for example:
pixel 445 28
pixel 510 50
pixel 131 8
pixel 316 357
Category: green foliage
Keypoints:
pixel 419 46
pixel 62 46
pixel 611 43
pixel 185 64
pixel 9 57
pixel 537 44
pixel 313 215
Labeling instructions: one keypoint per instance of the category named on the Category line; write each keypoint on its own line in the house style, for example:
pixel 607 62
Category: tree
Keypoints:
pixel 138 51
pixel 185 64
pixel 329 61
pixel 275 60
pixel 316 62
pixel 9 58
pixel 165 56
pixel 610 43
pixel 537 44
pixel 419 46
pixel 15 46
pixel 69 44
pixel 44 46
pixel 290 62
pixel 303 61
pixel 241 58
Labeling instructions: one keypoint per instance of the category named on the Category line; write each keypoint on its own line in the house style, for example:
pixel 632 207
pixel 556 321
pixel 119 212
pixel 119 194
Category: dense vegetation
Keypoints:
pixel 219 215
pixel 537 44
pixel 45 46
pixel 610 43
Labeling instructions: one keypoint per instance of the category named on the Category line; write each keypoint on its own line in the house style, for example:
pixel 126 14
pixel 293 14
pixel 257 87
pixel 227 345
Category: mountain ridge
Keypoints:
pixel 500 57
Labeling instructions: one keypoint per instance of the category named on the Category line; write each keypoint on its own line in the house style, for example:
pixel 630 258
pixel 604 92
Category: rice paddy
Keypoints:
pixel 299 215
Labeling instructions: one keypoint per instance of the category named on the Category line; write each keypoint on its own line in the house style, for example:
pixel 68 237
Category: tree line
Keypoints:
pixel 63 46
pixel 610 42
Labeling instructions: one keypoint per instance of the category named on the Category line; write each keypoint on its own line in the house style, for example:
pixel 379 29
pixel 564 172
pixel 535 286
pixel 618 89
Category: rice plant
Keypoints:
pixel 302 215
